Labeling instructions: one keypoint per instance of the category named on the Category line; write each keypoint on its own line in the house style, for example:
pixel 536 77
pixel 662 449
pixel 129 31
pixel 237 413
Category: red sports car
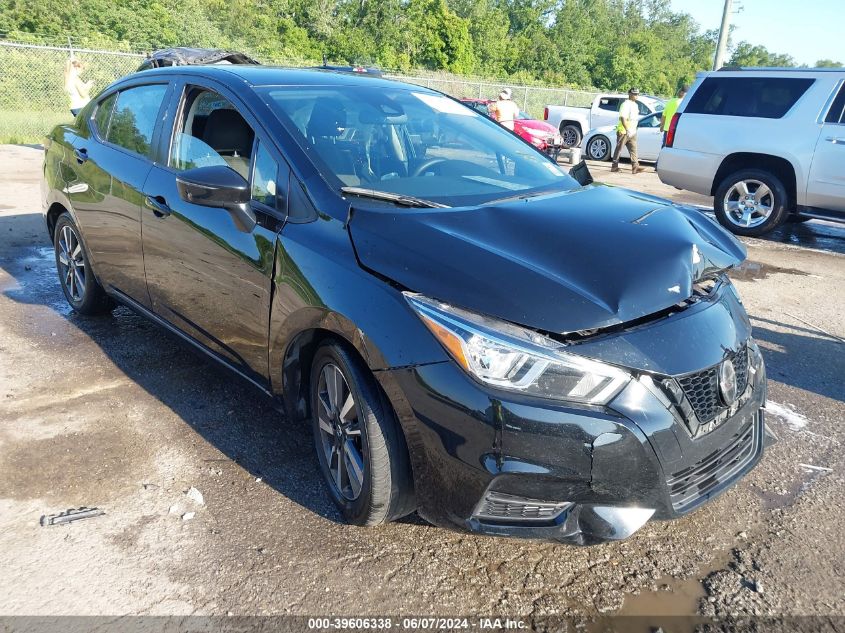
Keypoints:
pixel 540 134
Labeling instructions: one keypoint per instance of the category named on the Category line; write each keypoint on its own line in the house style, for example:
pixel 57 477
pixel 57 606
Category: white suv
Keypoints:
pixel 768 144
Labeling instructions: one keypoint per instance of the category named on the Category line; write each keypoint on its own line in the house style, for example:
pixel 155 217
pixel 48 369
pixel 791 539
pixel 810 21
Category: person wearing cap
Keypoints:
pixel 505 111
pixel 670 109
pixel 626 131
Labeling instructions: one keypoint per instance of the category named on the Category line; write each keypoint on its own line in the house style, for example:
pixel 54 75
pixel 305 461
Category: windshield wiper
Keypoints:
pixel 396 198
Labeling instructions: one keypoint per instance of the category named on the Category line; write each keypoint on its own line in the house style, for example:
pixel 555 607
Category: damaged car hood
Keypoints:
pixel 563 262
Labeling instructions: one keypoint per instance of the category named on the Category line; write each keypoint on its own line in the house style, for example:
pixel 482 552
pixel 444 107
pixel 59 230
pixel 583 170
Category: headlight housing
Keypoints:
pixel 510 357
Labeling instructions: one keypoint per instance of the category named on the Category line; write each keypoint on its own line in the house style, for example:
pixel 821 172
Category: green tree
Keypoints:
pixel 746 54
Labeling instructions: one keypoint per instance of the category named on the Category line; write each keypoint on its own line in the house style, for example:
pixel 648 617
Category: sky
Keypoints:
pixel 808 30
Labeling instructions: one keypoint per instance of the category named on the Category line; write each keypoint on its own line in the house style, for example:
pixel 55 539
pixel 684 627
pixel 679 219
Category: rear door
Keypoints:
pixel 209 273
pixel 649 137
pixel 109 168
pixel 826 183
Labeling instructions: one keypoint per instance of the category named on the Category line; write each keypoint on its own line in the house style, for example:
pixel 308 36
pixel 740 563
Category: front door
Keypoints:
pixel 110 166
pixel 208 272
pixel 826 184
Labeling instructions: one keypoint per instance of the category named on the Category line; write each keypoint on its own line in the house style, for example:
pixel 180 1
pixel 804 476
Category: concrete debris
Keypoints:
pixel 195 495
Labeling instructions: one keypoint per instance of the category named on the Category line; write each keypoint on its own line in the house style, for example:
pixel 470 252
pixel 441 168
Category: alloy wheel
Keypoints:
pixel 72 263
pixel 340 432
pixel 749 203
pixel 570 136
pixel 598 148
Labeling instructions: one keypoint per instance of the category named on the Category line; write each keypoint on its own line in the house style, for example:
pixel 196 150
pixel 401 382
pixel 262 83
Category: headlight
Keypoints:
pixel 507 356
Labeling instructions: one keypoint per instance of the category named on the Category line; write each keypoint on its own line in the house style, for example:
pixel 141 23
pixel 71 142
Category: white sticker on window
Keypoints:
pixel 443 104
pixel 271 187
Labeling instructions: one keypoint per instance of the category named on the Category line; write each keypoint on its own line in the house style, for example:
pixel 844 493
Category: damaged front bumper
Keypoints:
pixel 509 465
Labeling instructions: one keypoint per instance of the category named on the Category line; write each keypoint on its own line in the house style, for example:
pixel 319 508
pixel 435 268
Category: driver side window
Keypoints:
pixel 211 132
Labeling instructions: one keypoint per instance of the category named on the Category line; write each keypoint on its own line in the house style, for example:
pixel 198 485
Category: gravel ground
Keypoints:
pixel 112 413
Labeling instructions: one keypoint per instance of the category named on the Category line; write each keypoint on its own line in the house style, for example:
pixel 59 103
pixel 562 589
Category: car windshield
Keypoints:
pixel 411 142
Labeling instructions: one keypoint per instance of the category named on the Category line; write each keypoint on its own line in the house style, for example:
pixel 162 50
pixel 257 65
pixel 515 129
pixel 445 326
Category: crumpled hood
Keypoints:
pixel 563 262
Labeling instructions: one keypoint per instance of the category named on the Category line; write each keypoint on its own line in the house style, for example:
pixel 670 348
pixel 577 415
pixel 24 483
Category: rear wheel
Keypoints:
pixel 571 135
pixel 751 202
pixel 360 447
pixel 82 290
pixel 598 148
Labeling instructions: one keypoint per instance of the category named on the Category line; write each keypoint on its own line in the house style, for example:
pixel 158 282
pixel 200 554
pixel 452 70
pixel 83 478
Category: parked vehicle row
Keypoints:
pixel 574 122
pixel 768 144
pixel 540 134
pixel 468 330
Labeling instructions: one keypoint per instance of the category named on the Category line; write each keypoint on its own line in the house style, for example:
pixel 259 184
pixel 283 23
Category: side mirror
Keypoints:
pixel 217 186
pixel 221 187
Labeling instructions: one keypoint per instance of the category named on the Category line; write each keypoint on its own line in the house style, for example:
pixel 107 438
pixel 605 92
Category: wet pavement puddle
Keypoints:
pixel 674 607
pixel 750 270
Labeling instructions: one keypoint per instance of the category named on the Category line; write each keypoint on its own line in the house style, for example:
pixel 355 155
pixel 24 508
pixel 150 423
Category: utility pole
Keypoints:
pixel 719 60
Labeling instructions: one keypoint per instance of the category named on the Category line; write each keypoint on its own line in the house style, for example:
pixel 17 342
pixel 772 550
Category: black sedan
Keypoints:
pixel 469 331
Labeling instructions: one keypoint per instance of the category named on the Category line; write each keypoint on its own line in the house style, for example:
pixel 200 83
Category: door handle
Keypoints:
pixel 81 155
pixel 836 140
pixel 159 206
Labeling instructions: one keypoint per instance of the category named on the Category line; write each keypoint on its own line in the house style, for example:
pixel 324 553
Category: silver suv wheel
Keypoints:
pixel 749 203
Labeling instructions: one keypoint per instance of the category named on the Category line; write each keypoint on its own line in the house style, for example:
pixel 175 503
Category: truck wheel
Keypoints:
pixel 82 290
pixel 571 135
pixel 598 148
pixel 751 202
pixel 360 446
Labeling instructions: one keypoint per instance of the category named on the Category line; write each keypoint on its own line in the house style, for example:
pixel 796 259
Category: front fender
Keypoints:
pixel 319 288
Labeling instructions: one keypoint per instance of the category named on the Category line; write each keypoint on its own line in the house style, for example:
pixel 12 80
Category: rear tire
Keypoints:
pixel 598 148
pixel 751 202
pixel 79 284
pixel 360 446
pixel 571 135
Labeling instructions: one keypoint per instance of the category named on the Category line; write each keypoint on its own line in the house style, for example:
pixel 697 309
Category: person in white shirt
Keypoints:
pixel 504 110
pixel 626 131
pixel 79 91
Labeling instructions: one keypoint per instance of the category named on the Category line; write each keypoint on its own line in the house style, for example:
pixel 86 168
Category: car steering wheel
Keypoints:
pixel 426 164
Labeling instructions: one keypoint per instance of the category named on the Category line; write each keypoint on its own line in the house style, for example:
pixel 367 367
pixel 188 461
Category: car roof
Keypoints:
pixel 256 76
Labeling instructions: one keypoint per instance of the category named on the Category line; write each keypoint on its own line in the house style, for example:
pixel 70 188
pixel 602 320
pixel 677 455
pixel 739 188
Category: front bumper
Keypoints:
pixel 509 465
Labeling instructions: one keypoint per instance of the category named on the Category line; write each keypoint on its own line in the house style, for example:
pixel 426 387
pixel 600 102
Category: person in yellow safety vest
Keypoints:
pixel 626 131
pixel 504 110
pixel 670 109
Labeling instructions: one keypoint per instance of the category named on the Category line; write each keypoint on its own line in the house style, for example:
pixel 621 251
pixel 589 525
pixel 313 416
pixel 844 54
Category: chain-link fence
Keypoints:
pixel 32 93
pixel 33 98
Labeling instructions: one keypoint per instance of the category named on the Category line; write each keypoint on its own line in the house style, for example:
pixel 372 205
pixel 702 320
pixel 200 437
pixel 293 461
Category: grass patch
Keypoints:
pixel 17 126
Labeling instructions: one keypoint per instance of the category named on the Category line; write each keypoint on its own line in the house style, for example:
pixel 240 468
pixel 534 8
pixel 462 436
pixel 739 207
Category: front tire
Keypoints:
pixel 570 135
pixel 360 446
pixel 598 148
pixel 751 202
pixel 82 290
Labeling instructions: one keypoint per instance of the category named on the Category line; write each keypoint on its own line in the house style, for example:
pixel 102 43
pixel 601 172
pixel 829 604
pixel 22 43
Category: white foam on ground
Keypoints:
pixel 793 419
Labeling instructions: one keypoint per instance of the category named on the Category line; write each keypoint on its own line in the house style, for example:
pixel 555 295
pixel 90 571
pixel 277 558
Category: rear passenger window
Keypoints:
pixel 134 118
pixel 103 114
pixel 836 114
pixel 763 97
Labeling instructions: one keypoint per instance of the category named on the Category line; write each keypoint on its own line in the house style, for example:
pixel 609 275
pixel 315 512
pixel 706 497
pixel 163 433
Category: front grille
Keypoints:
pixel 504 508
pixel 702 388
pixel 694 483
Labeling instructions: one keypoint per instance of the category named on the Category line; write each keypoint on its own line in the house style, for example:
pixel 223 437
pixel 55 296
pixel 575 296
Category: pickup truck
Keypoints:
pixel 573 122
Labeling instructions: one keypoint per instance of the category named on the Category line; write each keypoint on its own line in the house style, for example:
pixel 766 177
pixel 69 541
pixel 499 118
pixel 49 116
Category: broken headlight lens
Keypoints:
pixel 510 357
